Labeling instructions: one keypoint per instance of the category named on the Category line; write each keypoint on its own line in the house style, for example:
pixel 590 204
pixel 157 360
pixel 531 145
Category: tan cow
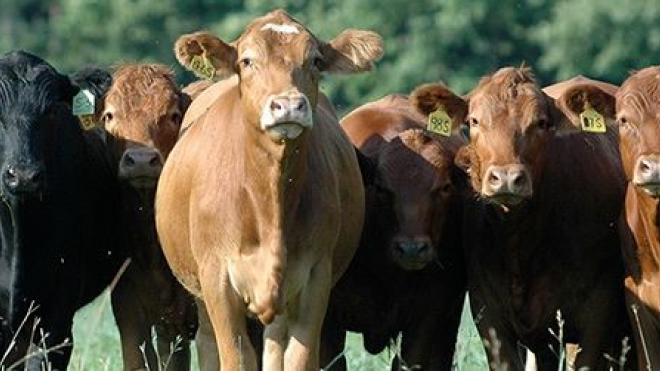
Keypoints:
pixel 261 204
pixel 142 113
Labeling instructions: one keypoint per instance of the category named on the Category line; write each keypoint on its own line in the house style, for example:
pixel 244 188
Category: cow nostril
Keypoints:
pixel 275 105
pixel 302 105
pixel 645 167
pixel 155 161
pixel 494 178
pixel 519 180
pixel 129 161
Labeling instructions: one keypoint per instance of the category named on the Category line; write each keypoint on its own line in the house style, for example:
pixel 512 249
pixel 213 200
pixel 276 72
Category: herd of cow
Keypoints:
pixel 241 213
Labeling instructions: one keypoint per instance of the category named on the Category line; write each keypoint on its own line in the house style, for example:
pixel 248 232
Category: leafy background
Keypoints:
pixel 452 41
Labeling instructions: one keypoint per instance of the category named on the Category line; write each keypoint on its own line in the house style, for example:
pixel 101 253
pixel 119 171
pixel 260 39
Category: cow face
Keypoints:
pixel 279 64
pixel 142 111
pixel 638 116
pixel 34 97
pixel 510 121
pixel 414 173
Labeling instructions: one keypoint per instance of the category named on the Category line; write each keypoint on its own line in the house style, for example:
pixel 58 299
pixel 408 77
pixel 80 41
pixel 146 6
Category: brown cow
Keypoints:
pixel 408 275
pixel 141 113
pixel 260 204
pixel 541 234
pixel 638 116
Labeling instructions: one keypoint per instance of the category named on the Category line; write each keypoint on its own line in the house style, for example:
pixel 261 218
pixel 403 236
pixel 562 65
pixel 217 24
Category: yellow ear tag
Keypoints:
pixel 87 122
pixel 202 67
pixel 592 121
pixel 439 122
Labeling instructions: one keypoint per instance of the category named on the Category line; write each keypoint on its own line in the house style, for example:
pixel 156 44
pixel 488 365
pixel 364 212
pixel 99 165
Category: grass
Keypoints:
pixel 97 344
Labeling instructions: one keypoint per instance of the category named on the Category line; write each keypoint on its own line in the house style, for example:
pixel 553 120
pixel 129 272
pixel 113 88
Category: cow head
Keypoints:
pixel 638 116
pixel 510 122
pixel 415 175
pixel 33 97
pixel 142 112
pixel 279 63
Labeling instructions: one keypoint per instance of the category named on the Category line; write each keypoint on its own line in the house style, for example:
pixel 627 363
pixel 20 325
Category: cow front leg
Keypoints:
pixel 226 312
pixel 302 351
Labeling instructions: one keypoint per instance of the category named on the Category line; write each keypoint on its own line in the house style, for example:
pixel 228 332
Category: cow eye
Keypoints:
pixel 176 118
pixel 623 121
pixel 245 63
pixel 473 122
pixel 318 62
pixel 107 117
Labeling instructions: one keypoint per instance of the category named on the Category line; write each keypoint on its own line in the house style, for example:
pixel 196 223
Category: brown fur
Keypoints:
pixel 638 112
pixel 415 195
pixel 142 111
pixel 556 248
pixel 256 226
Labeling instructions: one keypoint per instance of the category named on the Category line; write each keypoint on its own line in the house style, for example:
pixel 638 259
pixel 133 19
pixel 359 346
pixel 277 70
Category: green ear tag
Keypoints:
pixel 202 67
pixel 83 103
pixel 592 121
pixel 439 122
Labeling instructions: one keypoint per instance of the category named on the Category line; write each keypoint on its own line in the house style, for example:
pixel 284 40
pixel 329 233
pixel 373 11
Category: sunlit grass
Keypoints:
pixel 97 344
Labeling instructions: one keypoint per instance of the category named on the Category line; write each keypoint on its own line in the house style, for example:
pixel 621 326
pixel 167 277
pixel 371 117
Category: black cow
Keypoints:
pixel 58 215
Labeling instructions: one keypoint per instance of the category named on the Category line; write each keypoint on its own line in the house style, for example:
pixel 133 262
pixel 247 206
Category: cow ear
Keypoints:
pixel 586 102
pixel 206 55
pixel 352 51
pixel 429 98
pixel 463 158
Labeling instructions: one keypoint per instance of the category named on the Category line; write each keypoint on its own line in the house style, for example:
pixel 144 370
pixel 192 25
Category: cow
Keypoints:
pixel 541 241
pixel 59 216
pixel 407 277
pixel 260 204
pixel 140 115
pixel 637 113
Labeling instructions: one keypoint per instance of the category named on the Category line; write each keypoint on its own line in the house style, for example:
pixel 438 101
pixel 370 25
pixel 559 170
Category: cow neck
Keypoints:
pixel 642 216
pixel 139 224
pixel 274 172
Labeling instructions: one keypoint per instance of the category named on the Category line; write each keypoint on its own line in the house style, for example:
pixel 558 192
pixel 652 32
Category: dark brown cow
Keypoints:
pixel 638 115
pixel 541 234
pixel 408 275
pixel 142 113
pixel 260 204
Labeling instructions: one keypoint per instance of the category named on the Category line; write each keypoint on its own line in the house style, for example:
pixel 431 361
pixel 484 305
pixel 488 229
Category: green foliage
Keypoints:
pixel 453 41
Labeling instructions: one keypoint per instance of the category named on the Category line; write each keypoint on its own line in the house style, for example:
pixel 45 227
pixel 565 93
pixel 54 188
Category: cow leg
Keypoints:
pixel 430 341
pixel 207 349
pixel 302 352
pixel 227 316
pixel 333 342
pixel 133 325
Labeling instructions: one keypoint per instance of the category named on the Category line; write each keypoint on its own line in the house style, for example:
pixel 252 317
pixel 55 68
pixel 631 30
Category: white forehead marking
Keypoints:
pixel 281 28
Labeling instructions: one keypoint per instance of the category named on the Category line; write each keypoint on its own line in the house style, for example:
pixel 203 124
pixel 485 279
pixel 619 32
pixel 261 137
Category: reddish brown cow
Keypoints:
pixel 260 204
pixel 638 116
pixel 408 275
pixel 541 234
pixel 141 113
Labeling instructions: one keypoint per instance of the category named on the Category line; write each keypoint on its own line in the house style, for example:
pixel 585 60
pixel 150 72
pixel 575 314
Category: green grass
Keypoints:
pixel 97 344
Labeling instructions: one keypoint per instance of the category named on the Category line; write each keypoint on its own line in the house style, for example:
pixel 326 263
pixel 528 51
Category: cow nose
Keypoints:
pixel 648 170
pixel 412 249
pixel 23 179
pixel 507 180
pixel 289 106
pixel 141 163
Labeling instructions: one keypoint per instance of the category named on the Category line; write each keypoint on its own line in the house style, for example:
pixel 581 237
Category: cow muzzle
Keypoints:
pixel 507 185
pixel 286 116
pixel 412 253
pixel 646 174
pixel 141 167
pixel 23 180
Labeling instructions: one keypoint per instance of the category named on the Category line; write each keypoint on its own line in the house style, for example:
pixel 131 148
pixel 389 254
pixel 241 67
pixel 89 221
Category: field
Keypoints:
pixel 97 344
